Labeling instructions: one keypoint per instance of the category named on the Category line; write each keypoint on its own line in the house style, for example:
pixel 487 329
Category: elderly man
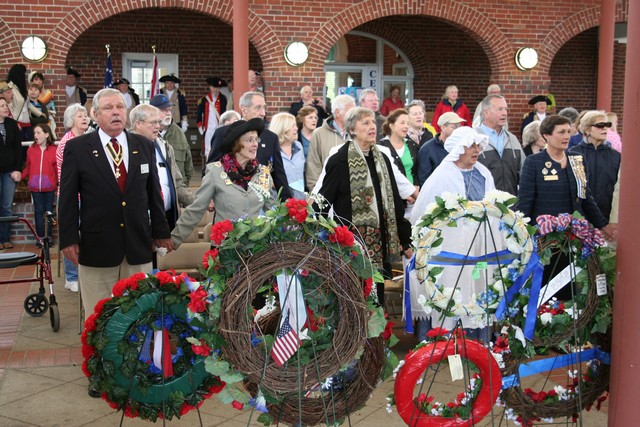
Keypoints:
pixel 503 156
pixel 433 152
pixel 306 98
pixel 146 121
pixel 493 89
pixel 179 109
pixel 368 98
pixel 252 105
pixel 111 234
pixel 539 104
pixel 171 133
pixel 74 94
pixel 330 134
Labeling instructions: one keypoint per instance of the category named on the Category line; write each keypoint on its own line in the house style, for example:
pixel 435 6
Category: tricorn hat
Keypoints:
pixel 216 82
pixel 122 80
pixel 169 78
pixel 239 128
pixel 540 98
pixel 71 71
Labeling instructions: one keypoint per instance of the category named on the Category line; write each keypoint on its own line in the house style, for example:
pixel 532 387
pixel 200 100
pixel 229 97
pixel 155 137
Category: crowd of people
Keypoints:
pixel 123 189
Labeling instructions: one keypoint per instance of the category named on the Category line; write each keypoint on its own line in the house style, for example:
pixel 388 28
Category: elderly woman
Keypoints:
pixel 285 127
pixel 419 131
pixel 459 173
pixel 77 121
pixel 600 160
pixel 532 141
pixel 307 120
pixel 237 183
pixel 364 195
pixel 10 168
pixel 450 102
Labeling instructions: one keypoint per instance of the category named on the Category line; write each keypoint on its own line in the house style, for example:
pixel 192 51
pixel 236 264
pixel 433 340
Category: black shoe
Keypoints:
pixel 94 393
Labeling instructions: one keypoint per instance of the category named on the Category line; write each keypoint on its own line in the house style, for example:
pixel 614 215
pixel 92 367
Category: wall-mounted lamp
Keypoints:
pixel 34 49
pixel 526 58
pixel 296 53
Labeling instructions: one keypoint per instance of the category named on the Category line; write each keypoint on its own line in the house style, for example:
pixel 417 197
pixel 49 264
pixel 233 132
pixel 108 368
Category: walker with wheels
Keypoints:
pixel 37 303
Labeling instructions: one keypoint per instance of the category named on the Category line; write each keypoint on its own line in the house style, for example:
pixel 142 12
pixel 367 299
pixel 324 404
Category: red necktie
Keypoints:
pixel 115 152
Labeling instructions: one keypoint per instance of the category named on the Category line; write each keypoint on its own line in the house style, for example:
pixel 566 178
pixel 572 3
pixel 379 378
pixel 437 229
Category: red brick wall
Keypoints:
pixel 617 98
pixel 204 47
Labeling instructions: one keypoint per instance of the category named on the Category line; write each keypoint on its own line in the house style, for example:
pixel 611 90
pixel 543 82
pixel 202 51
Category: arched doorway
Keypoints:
pixel 362 60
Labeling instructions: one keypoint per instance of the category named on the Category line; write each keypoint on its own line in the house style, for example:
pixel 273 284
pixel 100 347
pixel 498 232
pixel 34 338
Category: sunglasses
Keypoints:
pixel 602 125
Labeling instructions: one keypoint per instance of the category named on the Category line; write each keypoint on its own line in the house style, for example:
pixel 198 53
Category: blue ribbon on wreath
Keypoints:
pixel 535 270
pixel 452 259
pixel 546 365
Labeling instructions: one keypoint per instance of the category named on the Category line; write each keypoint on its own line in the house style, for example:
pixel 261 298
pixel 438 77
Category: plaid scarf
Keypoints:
pixel 364 207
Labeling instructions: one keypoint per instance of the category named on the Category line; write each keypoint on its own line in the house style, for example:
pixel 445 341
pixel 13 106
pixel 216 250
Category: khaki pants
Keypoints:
pixel 96 282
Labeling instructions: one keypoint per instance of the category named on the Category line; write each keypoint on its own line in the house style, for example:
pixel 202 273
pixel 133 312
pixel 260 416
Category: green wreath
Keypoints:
pixel 117 341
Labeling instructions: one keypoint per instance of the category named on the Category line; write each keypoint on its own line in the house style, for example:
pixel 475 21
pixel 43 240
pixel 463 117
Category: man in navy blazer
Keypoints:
pixel 111 233
pixel 252 105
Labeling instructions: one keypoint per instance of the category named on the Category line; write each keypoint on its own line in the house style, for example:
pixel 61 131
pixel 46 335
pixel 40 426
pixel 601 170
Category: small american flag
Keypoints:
pixel 286 344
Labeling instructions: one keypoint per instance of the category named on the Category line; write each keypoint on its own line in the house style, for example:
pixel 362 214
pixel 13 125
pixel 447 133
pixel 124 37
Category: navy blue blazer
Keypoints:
pixel 540 196
pixel 110 225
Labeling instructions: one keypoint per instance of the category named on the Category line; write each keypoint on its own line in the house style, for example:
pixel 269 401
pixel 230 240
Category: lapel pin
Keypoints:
pixel 134 152
pixel 95 153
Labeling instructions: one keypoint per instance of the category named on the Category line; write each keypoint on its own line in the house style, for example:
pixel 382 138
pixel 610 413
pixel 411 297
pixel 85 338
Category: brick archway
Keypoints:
pixel 82 18
pixel 495 44
pixel 568 29
pixel 10 44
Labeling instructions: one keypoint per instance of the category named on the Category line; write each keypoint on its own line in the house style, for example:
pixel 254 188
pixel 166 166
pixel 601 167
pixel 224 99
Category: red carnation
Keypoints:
pixel 130 412
pixel 388 330
pixel 215 389
pixel 219 231
pixel 100 306
pixel 198 302
pixel 237 405
pixel 88 351
pixel 105 397
pixel 437 332
pixel 85 369
pixel 213 253
pixel 297 209
pixel 90 323
pixel 451 405
pixel 202 349
pixel 165 278
pixel 186 408
pixel 368 286
pixel 342 236
pixel 119 288
pixel 502 344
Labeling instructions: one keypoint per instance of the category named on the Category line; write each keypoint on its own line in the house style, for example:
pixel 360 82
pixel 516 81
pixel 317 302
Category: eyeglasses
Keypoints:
pixel 602 125
pixel 251 140
pixel 153 122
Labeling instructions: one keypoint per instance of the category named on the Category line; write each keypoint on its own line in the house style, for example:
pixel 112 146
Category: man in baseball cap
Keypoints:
pixel 433 152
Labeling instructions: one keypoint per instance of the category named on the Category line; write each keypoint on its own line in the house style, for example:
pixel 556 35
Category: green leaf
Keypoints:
pixel 393 340
pixel 237 393
pixel 216 366
pixel 502 208
pixel 231 377
pixel 390 363
pixel 437 242
pixel 214 309
pixel 265 418
pixel 224 396
pixel 377 323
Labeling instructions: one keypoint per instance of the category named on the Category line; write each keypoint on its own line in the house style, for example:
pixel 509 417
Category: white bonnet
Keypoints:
pixel 464 136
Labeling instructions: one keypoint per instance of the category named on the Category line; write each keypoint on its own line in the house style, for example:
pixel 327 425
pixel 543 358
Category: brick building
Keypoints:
pixel 422 45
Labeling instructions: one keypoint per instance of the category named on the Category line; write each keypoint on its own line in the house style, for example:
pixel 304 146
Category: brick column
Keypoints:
pixel 240 49
pixel 605 53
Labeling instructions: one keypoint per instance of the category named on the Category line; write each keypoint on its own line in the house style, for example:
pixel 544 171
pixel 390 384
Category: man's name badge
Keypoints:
pixel 551 177
pixel 144 168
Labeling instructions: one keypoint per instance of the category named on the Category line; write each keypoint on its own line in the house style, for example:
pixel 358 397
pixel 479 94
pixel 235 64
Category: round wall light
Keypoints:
pixel 526 58
pixel 296 53
pixel 34 49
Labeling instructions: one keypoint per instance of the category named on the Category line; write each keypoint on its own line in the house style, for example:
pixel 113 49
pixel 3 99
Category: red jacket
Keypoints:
pixel 444 107
pixel 41 169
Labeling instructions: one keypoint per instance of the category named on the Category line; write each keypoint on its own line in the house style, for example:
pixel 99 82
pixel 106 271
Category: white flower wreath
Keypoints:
pixel 448 210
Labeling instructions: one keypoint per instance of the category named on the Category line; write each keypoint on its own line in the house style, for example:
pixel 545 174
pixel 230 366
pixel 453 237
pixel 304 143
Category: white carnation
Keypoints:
pixel 494 196
pixel 546 318
pixel 451 200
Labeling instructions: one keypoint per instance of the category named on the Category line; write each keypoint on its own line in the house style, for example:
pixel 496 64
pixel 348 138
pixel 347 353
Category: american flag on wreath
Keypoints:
pixel 286 344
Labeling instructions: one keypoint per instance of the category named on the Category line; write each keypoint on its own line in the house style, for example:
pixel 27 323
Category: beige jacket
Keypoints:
pixel 322 141
pixel 231 200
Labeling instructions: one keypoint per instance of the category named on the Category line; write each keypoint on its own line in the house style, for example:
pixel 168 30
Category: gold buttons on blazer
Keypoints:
pixel 124 203
pixel 121 225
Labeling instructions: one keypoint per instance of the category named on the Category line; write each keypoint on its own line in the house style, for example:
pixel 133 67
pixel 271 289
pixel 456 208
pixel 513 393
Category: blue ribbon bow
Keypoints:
pixel 535 270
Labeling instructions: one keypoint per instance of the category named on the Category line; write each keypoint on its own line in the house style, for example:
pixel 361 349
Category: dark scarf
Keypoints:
pixel 238 174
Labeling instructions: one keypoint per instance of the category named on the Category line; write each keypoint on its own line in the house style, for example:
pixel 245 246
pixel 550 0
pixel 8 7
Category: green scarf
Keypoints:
pixel 364 207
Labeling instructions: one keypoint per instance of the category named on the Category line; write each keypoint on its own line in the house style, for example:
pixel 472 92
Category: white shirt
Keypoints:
pixel 163 175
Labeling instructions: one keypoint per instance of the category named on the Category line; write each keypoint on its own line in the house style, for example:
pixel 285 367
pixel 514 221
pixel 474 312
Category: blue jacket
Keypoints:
pixel 430 156
pixel 602 164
